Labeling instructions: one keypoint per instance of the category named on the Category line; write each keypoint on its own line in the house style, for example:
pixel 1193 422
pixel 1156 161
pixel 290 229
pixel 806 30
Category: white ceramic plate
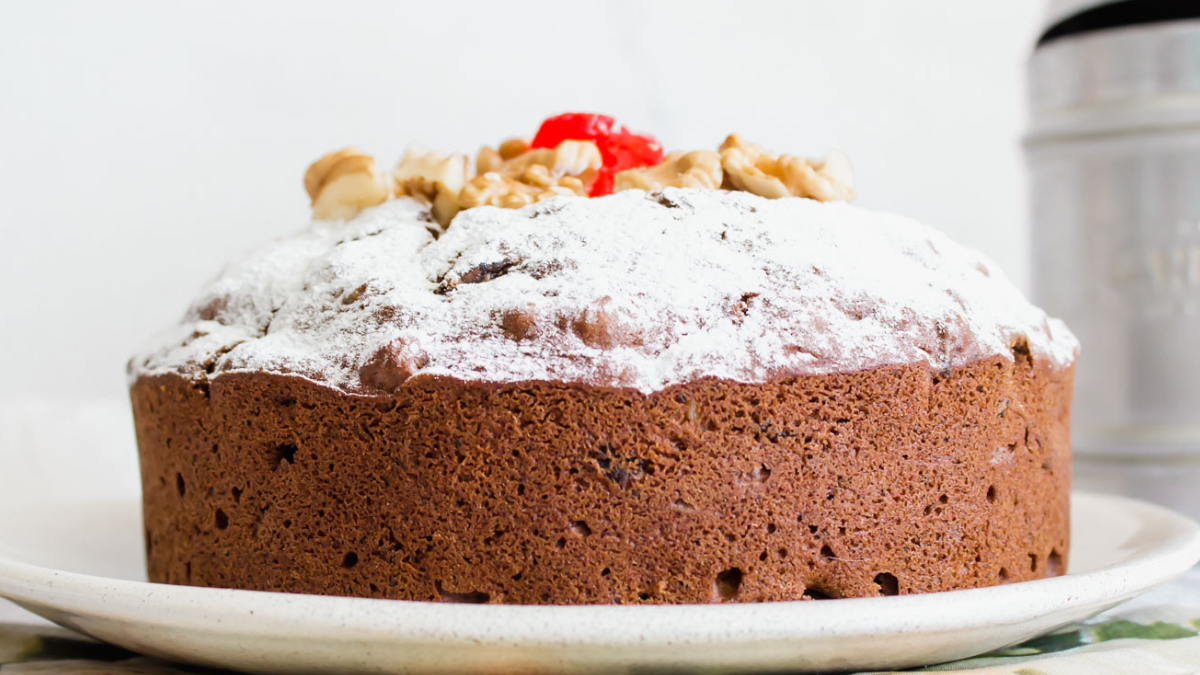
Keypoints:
pixel 90 580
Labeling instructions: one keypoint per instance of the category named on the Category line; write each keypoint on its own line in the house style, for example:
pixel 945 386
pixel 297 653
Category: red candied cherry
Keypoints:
pixel 620 148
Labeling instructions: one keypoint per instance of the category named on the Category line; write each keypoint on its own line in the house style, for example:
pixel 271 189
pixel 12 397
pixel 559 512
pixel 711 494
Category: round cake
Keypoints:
pixel 690 390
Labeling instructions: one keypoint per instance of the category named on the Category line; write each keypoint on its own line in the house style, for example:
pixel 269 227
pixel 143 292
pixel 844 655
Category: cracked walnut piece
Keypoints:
pixel 698 169
pixel 579 159
pixel 345 182
pixel 493 159
pixel 533 175
pixel 534 185
pixel 434 177
pixel 752 169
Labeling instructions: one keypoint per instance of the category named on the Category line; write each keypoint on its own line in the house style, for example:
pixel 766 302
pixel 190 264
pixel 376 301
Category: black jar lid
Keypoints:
pixel 1081 17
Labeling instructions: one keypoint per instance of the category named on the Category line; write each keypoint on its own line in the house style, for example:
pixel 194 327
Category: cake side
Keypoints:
pixel 894 479
pixel 636 289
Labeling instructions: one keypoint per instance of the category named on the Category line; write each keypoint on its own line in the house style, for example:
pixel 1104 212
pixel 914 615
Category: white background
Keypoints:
pixel 141 144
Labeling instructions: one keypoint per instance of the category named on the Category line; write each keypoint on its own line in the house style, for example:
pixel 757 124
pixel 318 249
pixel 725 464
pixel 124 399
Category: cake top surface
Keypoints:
pixel 635 289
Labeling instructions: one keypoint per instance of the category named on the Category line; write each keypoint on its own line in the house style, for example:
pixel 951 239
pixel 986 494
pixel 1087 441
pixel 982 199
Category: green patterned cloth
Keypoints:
pixel 1157 634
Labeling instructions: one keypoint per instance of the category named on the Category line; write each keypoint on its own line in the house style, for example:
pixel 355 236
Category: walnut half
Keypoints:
pixel 493 159
pixel 533 175
pixel 698 169
pixel 434 177
pixel 345 182
pixel 534 185
pixel 752 169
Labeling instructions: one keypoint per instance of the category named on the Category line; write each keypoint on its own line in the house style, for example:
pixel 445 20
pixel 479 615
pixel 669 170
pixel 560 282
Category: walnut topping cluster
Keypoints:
pixel 744 166
pixel 697 169
pixel 347 181
pixel 513 177
pixel 520 172
pixel 752 169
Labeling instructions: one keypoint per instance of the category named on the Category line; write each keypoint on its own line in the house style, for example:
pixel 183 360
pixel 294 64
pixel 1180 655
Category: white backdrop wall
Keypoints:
pixel 143 143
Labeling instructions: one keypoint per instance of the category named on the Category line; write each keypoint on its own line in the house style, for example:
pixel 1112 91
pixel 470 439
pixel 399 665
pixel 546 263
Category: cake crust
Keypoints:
pixel 895 479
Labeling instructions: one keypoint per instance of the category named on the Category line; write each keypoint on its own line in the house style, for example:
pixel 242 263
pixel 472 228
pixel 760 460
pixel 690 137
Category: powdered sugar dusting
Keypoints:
pixel 634 289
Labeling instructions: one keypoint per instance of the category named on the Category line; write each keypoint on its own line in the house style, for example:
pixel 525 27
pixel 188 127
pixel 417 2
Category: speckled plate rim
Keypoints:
pixel 277 632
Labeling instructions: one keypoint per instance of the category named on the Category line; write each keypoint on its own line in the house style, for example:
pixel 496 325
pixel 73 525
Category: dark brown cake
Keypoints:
pixel 885 481
pixel 674 396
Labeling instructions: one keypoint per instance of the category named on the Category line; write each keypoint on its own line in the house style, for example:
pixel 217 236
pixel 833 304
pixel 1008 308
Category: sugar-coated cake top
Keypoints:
pixel 635 289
